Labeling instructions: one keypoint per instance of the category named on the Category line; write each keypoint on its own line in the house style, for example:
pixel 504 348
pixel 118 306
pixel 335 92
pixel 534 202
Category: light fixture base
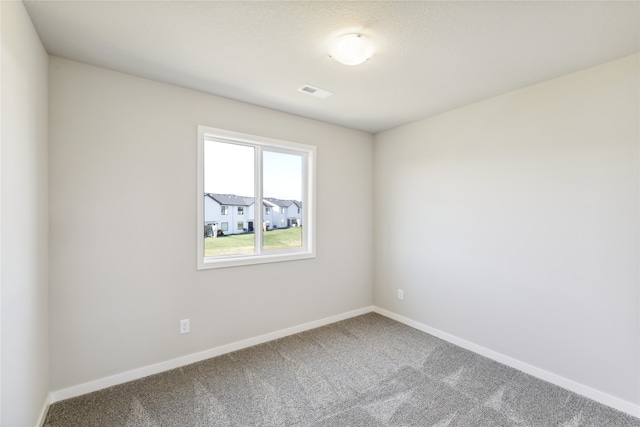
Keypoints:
pixel 351 49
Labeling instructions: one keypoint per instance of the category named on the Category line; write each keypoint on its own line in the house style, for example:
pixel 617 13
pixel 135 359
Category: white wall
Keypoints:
pixel 122 167
pixel 24 220
pixel 527 234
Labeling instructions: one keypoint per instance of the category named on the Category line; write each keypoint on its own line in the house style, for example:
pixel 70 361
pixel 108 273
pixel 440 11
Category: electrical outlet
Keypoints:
pixel 184 326
pixel 400 294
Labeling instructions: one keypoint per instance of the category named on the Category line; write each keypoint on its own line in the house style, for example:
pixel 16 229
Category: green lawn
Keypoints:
pixel 236 244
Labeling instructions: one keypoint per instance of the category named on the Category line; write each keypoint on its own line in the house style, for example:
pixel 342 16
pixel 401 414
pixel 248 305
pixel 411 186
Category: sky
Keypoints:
pixel 228 169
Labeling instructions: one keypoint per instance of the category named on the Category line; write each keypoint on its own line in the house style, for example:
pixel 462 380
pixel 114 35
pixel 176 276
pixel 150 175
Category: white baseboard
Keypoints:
pixel 43 412
pixel 145 371
pixel 591 393
pixel 581 389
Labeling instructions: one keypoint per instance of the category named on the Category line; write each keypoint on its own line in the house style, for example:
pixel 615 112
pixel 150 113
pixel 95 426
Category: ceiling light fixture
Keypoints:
pixel 351 49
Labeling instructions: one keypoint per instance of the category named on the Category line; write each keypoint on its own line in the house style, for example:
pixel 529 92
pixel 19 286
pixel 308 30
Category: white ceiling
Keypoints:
pixel 430 56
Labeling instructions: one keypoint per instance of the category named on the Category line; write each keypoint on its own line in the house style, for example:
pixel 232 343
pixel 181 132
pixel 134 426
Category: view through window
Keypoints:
pixel 255 193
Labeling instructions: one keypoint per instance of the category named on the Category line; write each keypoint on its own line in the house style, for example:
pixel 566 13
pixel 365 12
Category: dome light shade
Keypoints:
pixel 351 49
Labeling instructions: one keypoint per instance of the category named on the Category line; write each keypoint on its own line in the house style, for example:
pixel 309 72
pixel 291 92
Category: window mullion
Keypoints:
pixel 305 188
pixel 258 201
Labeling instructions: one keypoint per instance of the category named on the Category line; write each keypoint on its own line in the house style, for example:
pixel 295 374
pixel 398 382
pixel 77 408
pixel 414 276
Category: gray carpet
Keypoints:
pixel 365 371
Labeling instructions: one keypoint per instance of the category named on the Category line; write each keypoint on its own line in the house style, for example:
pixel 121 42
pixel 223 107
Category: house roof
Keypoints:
pixel 231 199
pixel 280 202
pixel 268 204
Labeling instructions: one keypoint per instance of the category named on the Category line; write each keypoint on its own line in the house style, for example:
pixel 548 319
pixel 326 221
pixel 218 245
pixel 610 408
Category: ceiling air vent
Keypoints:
pixel 315 91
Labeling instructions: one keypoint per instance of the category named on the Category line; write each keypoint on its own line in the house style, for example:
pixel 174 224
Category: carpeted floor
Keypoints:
pixel 365 371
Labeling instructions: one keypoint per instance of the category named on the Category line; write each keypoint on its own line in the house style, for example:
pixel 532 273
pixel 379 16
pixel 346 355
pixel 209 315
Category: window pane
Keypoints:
pixel 229 195
pixel 282 190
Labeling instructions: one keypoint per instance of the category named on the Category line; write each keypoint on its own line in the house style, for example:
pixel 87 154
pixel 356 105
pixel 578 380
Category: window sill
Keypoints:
pixel 244 260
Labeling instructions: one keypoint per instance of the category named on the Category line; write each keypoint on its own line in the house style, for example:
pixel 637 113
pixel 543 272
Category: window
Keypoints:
pixel 254 171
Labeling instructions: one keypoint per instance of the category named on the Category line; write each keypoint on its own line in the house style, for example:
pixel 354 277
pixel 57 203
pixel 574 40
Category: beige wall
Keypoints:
pixel 24 220
pixel 520 228
pixel 123 211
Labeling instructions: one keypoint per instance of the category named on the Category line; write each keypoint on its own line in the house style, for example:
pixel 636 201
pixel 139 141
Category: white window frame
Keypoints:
pixel 308 152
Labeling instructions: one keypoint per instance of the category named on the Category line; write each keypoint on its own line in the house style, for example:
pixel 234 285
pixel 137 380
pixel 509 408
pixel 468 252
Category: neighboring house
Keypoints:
pixel 295 214
pixel 235 214
pixel 269 210
pixel 285 213
pixel 230 213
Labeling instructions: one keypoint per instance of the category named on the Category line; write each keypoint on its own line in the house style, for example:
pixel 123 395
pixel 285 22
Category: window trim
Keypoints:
pixel 308 249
